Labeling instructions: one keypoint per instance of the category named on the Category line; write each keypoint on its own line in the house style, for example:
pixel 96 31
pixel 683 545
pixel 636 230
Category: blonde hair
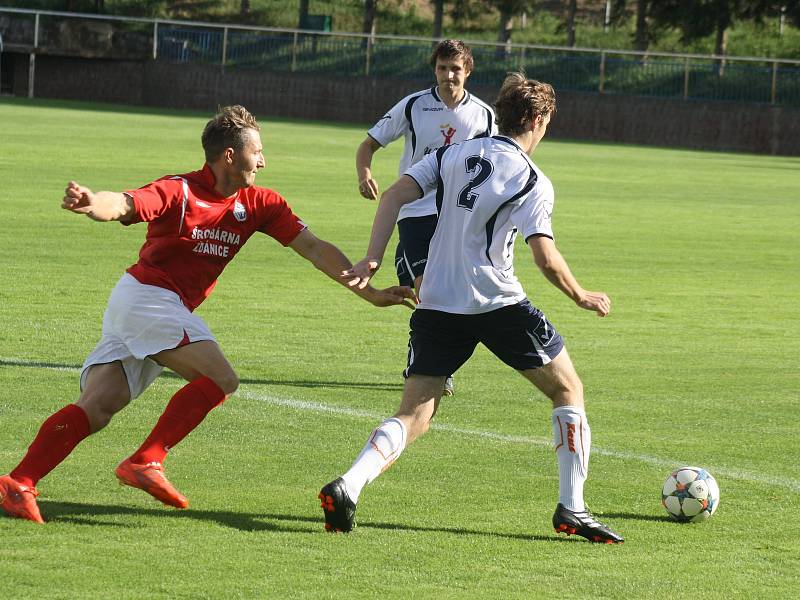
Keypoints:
pixel 520 101
pixel 228 129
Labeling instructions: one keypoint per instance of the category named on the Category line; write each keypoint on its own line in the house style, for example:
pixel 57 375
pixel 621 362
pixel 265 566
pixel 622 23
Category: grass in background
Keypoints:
pixel 697 364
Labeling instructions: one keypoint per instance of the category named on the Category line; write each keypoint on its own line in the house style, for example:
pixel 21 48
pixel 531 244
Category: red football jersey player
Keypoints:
pixel 197 222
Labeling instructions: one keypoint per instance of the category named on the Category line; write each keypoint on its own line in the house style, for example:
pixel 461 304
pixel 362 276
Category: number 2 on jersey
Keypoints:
pixel 481 169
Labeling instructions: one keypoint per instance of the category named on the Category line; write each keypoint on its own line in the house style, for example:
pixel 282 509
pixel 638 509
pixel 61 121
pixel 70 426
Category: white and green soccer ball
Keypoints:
pixel 690 494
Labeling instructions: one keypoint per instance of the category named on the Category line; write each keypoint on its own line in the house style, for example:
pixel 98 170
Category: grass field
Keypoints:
pixel 697 364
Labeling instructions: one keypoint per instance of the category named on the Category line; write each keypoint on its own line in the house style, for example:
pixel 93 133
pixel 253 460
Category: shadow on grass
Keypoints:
pixel 634 516
pixel 302 383
pixel 451 530
pixel 85 514
pixel 91 514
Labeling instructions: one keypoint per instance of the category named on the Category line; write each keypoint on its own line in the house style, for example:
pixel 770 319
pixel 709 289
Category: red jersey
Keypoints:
pixel 193 232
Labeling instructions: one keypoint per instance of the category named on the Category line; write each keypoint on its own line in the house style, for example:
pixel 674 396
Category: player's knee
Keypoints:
pixel 569 387
pixel 228 383
pixel 101 408
pixel 576 387
pixel 99 419
pixel 569 392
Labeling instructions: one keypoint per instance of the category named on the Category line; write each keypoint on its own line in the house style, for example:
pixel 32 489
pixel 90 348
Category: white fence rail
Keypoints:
pixel 750 79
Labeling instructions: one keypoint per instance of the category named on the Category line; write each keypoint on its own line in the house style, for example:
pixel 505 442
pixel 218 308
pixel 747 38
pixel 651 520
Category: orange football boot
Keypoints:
pixel 19 500
pixel 150 478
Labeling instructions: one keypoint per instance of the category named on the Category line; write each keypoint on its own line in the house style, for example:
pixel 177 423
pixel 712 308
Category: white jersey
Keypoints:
pixel 428 124
pixel 486 190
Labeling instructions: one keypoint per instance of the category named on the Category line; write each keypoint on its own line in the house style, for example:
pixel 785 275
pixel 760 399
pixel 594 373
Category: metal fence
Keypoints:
pixel 687 76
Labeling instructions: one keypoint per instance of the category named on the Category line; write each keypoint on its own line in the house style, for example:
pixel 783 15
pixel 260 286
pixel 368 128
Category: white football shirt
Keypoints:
pixel 428 124
pixel 486 190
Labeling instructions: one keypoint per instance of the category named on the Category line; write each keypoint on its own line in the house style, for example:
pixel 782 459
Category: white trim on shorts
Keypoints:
pixel 140 321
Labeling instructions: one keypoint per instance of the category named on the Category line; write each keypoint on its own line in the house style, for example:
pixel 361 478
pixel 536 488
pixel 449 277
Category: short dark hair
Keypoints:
pixel 520 101
pixel 228 129
pixel 453 49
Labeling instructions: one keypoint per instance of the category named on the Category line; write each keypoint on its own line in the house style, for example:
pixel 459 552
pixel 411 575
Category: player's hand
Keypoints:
pixel 368 188
pixel 392 296
pixel 77 198
pixel 360 273
pixel 596 301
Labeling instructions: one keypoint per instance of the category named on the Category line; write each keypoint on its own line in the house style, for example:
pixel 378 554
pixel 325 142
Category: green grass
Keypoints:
pixel 696 365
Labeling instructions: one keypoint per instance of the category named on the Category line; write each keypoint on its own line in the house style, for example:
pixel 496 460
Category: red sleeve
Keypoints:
pixel 152 200
pixel 281 223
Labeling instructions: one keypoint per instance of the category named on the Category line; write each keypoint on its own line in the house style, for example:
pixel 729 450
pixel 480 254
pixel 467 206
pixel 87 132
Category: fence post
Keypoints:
pixel 774 90
pixel 224 46
pixel 685 78
pixel 521 63
pixel 369 55
pixel 155 40
pixel 32 58
pixel 294 52
pixel 602 72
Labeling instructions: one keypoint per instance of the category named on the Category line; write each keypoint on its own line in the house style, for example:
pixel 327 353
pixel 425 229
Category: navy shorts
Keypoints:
pixel 412 249
pixel 519 335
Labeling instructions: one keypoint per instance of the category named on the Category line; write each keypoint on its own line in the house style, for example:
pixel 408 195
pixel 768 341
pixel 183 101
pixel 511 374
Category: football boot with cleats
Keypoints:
pixel 449 387
pixel 582 523
pixel 150 478
pixel 19 500
pixel 340 511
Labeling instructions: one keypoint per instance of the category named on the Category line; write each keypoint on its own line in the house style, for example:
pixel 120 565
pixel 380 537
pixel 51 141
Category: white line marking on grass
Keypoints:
pixel 33 364
pixel 786 482
pixel 303 405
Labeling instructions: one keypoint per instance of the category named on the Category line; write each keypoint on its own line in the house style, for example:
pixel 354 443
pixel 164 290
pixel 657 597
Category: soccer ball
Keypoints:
pixel 690 494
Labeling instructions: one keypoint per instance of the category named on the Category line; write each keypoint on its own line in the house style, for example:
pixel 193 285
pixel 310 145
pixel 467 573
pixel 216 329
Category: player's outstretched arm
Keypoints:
pixel 100 206
pixel 367 186
pixel 552 264
pixel 330 260
pixel 403 191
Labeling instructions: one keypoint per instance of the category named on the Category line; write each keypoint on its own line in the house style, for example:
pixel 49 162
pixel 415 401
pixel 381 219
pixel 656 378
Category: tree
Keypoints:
pixel 507 10
pixel 370 19
pixel 244 8
pixel 572 8
pixel 643 34
pixel 641 39
pixel 438 17
pixel 370 16
pixel 792 11
pixel 700 18
pixel 758 9
pixel 303 16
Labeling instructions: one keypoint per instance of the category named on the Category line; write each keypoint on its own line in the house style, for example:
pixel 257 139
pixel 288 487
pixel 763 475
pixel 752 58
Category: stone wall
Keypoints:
pixel 725 126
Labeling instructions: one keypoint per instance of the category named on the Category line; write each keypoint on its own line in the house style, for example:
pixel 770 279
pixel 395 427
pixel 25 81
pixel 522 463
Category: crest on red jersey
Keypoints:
pixel 239 212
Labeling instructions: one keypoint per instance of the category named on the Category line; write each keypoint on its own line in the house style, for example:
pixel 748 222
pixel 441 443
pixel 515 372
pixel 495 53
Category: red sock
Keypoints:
pixel 185 411
pixel 57 437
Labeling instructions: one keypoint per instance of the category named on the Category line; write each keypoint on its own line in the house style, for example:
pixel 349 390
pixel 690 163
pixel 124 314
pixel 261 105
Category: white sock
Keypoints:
pixel 382 448
pixel 573 441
